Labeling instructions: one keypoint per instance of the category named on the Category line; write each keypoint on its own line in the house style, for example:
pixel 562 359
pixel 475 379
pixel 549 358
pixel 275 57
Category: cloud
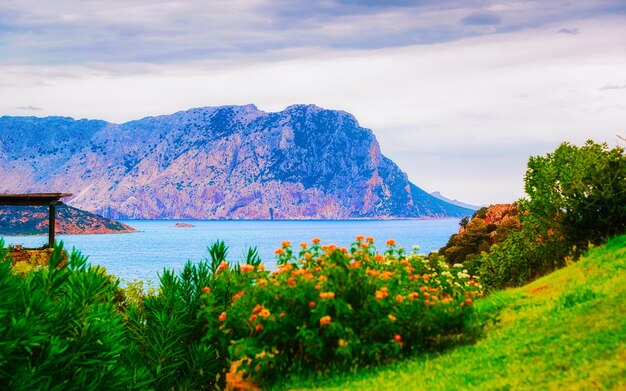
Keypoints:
pixel 170 31
pixel 612 87
pixel 481 19
pixel 569 31
pixel 29 108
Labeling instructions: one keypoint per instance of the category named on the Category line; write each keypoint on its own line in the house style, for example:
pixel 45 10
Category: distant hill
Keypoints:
pixel 23 220
pixel 438 195
pixel 229 162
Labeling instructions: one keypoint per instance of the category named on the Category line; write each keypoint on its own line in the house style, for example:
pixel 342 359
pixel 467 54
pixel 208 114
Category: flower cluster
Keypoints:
pixel 328 306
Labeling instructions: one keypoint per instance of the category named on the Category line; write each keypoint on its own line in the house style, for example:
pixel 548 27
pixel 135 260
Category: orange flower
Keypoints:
pixel 324 320
pixel 321 278
pixel 247 268
pixel 259 328
pixel 318 287
pixel 223 266
pixel 468 301
pixel 252 318
pixel 307 255
pixel 237 295
pixel 373 273
pixel 404 262
pixel 391 318
pixel 222 317
pixel 316 240
pixel 279 251
pixel 257 308
pixel 379 257
pixel 206 289
pixel 327 295
pixel 399 298
pixel 285 243
pixel 355 264
pixel 386 275
pixel 304 245
pixel 265 313
pixel 369 239
pixel 363 245
pixel 312 304
pixel 391 242
pixel 413 295
pixel 426 277
pixel 359 238
pixel 291 282
pixel 342 342
pixel 397 338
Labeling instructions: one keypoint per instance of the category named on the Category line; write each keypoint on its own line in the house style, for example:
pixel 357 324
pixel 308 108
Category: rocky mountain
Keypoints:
pixel 440 196
pixel 231 162
pixel 24 220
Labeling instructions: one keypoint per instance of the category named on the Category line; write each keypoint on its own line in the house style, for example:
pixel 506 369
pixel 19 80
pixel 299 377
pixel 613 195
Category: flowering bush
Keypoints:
pixel 328 307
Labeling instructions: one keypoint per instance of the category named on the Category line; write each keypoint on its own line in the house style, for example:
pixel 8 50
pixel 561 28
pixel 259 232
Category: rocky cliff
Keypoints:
pixel 233 162
pixel 23 220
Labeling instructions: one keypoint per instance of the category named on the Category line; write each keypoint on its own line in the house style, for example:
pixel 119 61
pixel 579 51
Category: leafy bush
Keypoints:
pixel 59 328
pixel 487 226
pixel 168 332
pixel 576 196
pixel 579 192
pixel 330 308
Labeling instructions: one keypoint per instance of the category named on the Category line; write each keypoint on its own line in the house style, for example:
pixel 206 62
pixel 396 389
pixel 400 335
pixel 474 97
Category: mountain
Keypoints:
pixel 228 162
pixel 21 220
pixel 438 195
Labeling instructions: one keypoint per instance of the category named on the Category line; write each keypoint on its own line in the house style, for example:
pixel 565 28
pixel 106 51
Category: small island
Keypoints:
pixel 33 220
pixel 184 225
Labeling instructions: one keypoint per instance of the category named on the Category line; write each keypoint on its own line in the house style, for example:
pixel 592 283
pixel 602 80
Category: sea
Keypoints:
pixel 160 245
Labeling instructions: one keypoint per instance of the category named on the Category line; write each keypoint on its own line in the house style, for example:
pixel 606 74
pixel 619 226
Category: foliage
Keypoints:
pixel 488 226
pixel 331 308
pixel 564 331
pixel 59 328
pixel 168 333
pixel 579 192
pixel 576 196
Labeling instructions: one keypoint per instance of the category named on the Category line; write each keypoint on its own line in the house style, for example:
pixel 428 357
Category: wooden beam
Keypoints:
pixel 33 199
pixel 51 224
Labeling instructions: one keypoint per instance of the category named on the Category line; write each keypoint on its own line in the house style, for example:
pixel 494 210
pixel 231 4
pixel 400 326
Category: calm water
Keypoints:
pixel 160 245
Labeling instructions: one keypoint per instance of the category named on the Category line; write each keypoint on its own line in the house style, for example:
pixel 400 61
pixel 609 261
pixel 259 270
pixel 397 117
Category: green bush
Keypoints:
pixel 330 308
pixel 168 332
pixel 60 330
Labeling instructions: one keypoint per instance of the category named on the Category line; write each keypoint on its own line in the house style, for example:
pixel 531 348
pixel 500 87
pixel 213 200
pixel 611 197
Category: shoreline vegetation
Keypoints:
pixel 370 319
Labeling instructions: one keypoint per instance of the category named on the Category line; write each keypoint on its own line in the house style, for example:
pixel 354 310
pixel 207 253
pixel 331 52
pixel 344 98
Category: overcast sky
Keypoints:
pixel 458 93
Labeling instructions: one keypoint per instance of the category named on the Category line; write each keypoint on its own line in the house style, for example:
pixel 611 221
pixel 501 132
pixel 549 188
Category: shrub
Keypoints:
pixel 579 192
pixel 59 328
pixel 168 331
pixel 329 308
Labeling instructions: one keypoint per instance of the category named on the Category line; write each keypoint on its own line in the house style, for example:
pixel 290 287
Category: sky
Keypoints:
pixel 458 93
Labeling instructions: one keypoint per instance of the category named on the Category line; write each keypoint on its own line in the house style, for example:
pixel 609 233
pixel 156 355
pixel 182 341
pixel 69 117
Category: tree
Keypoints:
pixel 577 192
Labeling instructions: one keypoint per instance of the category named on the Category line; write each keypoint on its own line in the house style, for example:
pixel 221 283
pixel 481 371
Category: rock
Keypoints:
pixel 229 162
pixel 184 225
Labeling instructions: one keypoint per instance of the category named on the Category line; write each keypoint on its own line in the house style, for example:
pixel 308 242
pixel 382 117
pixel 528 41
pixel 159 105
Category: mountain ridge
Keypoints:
pixel 231 162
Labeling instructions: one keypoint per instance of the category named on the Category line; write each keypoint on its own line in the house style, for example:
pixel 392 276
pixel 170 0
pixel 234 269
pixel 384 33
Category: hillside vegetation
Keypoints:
pixel 563 331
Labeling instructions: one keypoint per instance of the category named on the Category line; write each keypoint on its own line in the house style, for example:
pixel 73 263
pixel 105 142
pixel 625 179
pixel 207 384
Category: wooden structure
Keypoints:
pixel 37 199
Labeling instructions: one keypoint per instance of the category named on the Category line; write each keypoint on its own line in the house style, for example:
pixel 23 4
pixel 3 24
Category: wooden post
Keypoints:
pixel 51 223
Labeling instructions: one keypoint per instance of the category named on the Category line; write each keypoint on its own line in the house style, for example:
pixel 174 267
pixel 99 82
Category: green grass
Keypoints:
pixel 565 331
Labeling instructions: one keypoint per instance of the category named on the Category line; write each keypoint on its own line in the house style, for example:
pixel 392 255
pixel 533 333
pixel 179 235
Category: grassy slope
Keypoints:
pixel 566 330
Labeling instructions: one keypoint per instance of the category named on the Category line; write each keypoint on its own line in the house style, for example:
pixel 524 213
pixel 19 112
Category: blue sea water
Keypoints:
pixel 160 244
